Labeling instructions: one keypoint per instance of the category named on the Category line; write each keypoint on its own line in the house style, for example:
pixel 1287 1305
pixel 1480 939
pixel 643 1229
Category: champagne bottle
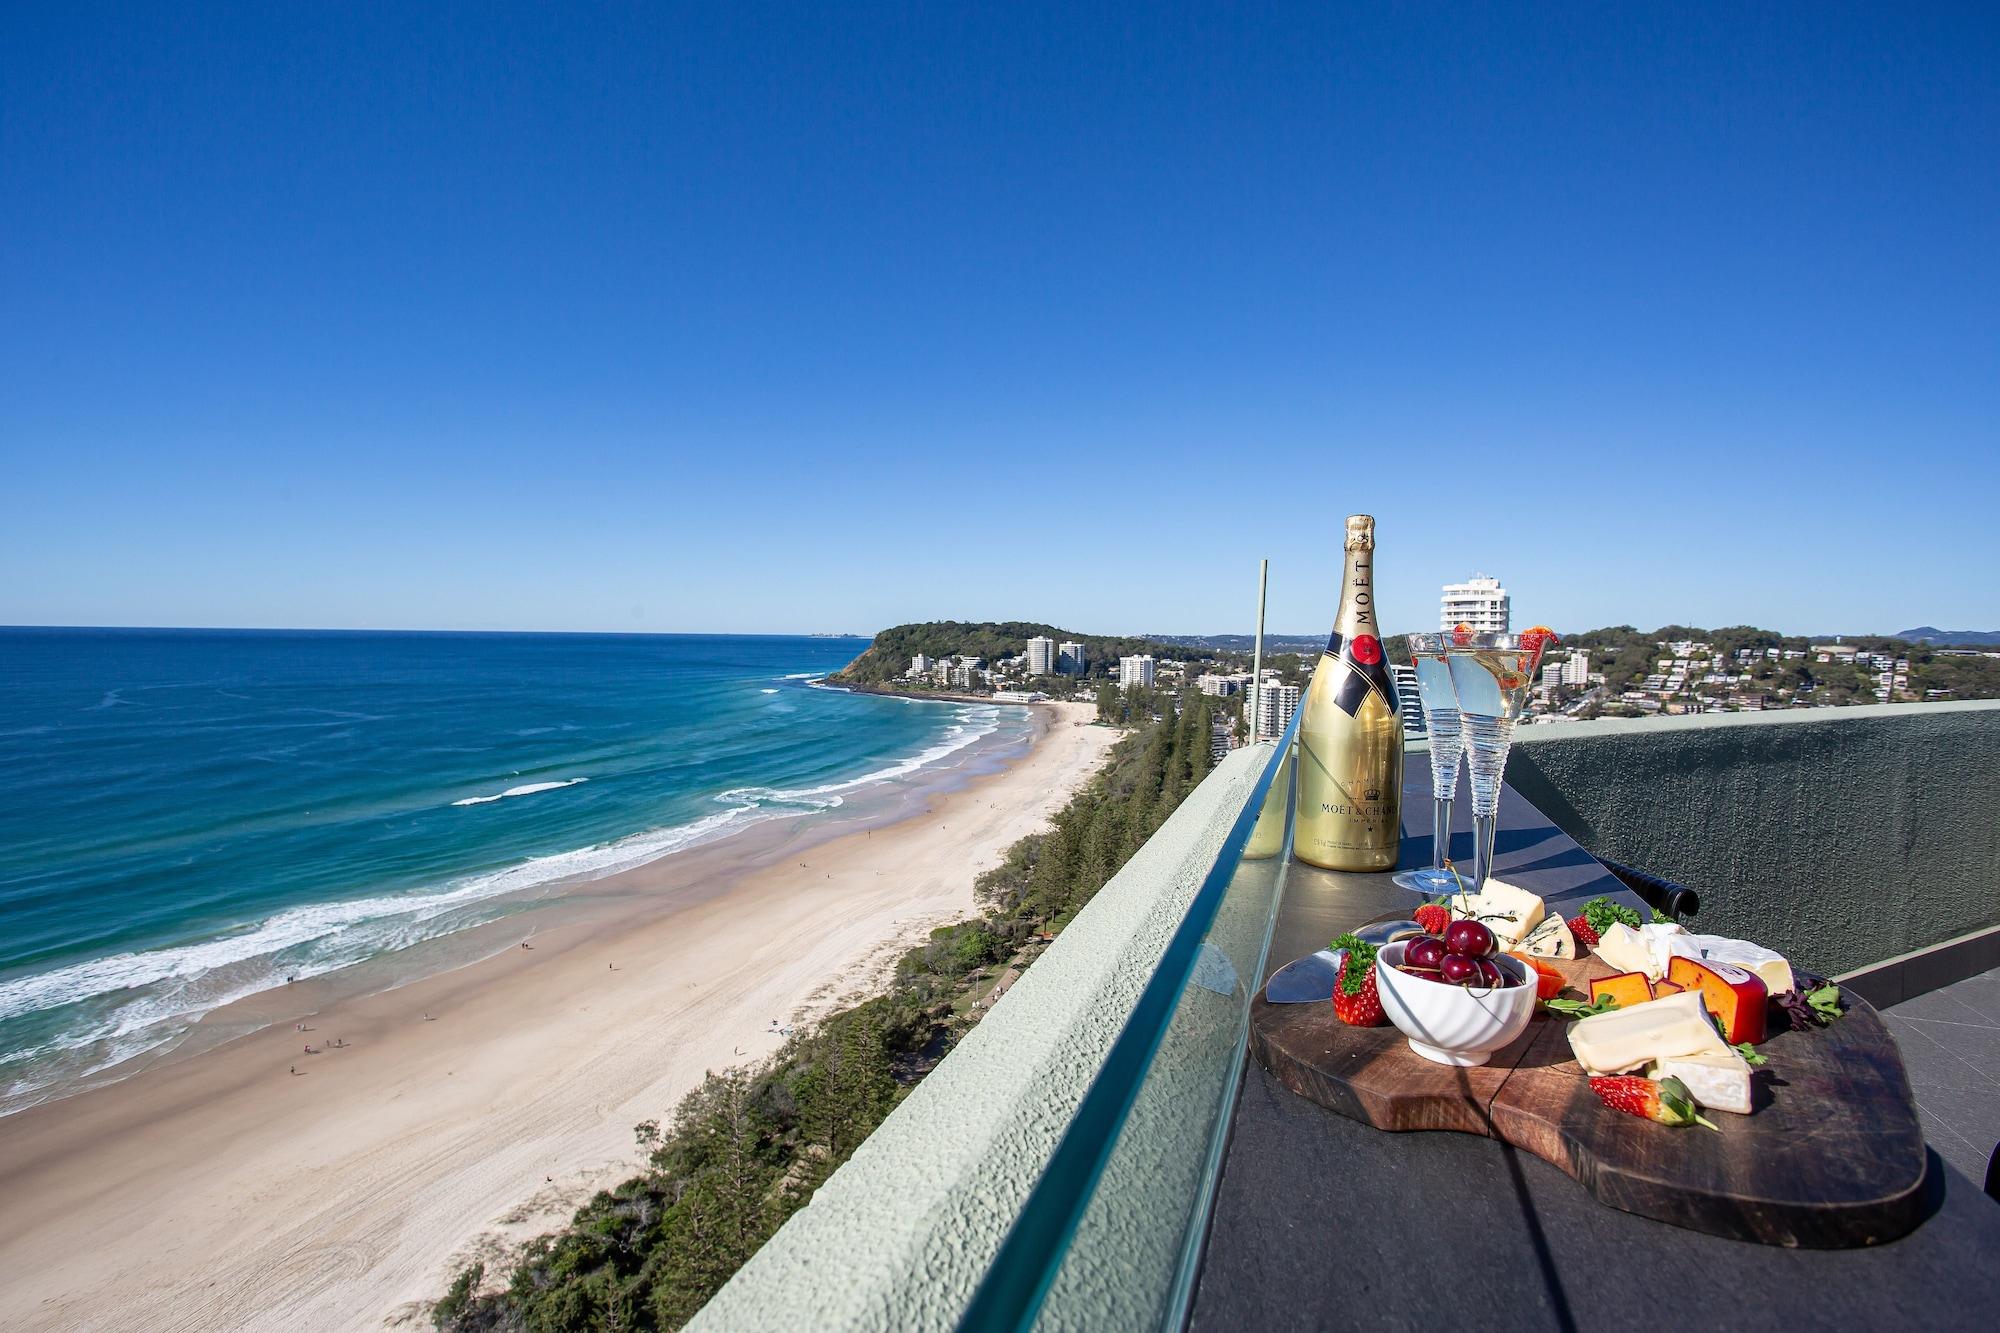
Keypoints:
pixel 1351 738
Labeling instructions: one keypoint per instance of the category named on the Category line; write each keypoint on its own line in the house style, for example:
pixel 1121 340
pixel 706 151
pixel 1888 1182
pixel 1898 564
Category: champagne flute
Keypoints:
pixel 1440 700
pixel 1490 677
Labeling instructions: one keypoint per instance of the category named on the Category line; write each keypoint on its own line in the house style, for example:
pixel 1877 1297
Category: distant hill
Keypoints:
pixel 1243 643
pixel 1951 638
pixel 888 657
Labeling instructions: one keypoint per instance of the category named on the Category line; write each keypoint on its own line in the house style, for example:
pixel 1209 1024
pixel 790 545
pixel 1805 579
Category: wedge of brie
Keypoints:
pixel 1625 950
pixel 1769 965
pixel 1623 1039
pixel 1719 1080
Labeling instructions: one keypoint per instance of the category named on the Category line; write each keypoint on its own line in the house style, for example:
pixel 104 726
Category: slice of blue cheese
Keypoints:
pixel 1552 939
pixel 1510 911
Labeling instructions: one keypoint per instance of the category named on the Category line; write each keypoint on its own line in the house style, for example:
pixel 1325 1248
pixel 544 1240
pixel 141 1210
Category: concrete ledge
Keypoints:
pixel 901 1234
pixel 1840 836
pixel 1908 975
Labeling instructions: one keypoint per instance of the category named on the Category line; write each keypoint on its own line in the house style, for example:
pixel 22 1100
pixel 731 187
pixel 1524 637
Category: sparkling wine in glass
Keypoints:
pixel 1440 700
pixel 1490 676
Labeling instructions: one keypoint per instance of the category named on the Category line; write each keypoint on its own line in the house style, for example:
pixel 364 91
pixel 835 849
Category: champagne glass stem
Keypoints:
pixel 1440 832
pixel 1483 827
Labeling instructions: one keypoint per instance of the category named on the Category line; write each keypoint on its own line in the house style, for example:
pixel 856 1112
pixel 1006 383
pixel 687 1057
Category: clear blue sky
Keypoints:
pixel 827 317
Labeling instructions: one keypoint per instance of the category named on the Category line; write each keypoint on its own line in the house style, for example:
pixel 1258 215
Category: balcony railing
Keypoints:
pixel 1092 1155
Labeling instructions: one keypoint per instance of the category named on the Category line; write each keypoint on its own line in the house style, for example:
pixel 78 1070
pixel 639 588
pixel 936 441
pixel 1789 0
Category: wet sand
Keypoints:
pixel 470 1109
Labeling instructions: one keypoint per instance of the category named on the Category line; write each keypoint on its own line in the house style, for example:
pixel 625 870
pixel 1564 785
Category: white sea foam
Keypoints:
pixel 143 999
pixel 767 691
pixel 529 790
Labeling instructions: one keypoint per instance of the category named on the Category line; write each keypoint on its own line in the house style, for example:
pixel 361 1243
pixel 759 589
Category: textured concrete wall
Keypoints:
pixel 1837 836
pixel 901 1234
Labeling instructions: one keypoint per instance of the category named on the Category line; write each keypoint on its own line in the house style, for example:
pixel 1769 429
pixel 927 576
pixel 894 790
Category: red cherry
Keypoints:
pixel 1458 969
pixel 1490 973
pixel 1474 939
pixel 1426 953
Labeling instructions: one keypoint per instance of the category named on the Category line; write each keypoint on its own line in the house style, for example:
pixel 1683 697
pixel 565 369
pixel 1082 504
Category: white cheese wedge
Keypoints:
pixel 1720 1082
pixel 1624 1039
pixel 1509 911
pixel 1625 949
pixel 1769 965
pixel 1551 939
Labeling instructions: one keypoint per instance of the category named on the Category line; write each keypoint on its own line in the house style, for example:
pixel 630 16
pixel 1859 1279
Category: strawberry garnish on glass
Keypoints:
pixel 1533 641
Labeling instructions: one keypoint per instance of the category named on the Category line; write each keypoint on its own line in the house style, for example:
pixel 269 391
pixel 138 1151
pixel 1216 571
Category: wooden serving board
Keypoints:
pixel 1831 1158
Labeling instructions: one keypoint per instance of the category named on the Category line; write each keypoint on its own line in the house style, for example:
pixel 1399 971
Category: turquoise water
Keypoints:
pixel 190 817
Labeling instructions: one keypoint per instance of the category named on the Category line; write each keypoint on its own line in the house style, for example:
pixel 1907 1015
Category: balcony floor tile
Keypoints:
pixel 1951 1050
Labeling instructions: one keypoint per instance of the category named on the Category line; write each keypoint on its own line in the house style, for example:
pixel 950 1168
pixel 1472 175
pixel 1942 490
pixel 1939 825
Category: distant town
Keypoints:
pixel 1603 673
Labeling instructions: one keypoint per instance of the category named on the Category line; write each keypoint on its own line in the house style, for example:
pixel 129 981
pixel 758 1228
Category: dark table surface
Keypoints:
pixel 1322 1222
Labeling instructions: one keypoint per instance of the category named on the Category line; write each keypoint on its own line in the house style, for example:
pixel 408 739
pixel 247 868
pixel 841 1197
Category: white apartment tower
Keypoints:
pixel 1069 659
pixel 1041 657
pixel 1479 602
pixel 1139 671
pixel 1576 671
pixel 1275 705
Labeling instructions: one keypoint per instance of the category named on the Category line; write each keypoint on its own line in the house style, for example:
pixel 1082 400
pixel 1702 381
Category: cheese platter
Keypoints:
pixel 1671 1080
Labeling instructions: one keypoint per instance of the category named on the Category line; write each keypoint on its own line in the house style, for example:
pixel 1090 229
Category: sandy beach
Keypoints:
pixel 469 1110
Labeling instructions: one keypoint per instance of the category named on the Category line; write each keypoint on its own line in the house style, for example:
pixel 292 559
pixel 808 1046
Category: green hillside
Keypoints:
pixel 888 657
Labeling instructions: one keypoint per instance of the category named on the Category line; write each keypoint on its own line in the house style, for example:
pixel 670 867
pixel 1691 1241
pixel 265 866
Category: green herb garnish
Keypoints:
pixel 1360 963
pixel 1749 1054
pixel 1602 914
pixel 1580 1008
pixel 1825 1001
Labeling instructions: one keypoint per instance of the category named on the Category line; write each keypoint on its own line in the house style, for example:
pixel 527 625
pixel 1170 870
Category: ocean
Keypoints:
pixel 190 817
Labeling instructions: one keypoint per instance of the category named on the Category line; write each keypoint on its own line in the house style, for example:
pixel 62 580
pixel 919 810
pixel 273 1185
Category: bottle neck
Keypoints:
pixel 1356 615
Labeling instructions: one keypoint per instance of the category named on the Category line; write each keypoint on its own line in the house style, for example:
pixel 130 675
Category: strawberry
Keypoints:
pixel 1534 641
pixel 1597 916
pixel 1355 1001
pixel 1433 917
pixel 1665 1102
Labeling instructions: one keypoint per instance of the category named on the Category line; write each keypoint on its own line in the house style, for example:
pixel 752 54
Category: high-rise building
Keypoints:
pixel 1275 705
pixel 1576 671
pixel 1552 679
pixel 1069 659
pixel 1479 602
pixel 1407 702
pixel 920 665
pixel 1138 671
pixel 1041 657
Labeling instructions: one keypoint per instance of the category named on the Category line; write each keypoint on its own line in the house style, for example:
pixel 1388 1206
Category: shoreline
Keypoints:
pixel 474 1107
pixel 547 903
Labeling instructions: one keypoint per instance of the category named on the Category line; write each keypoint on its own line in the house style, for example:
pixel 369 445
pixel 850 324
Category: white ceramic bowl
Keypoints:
pixel 1454 1025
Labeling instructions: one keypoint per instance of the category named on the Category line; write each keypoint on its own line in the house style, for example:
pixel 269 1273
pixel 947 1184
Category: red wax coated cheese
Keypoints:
pixel 1736 997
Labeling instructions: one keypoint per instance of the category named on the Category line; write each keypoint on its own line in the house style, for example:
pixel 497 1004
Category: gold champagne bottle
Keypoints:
pixel 1351 738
